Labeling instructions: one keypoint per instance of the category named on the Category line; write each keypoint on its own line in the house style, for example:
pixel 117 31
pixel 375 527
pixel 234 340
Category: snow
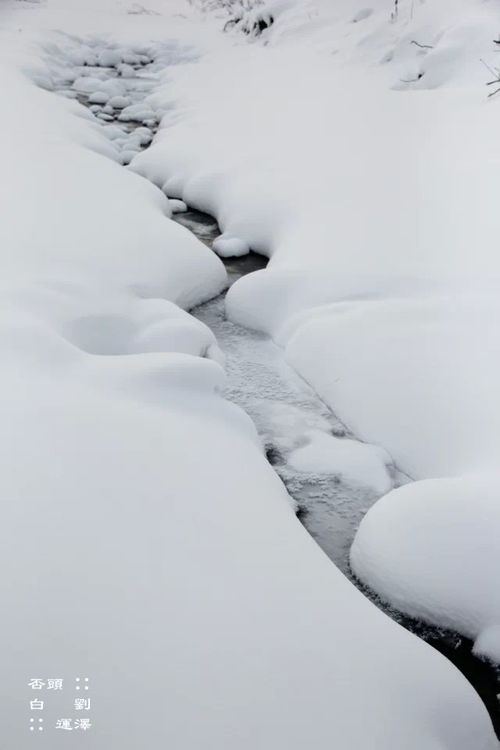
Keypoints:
pixel 109 58
pixel 177 206
pixel 356 462
pixel 119 102
pixel 228 247
pixel 401 232
pixel 144 539
pixel 431 549
pixel 360 152
pixel 98 97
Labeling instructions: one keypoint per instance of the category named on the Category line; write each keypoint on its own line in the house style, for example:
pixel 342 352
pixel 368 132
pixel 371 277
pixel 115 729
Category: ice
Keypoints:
pixel 355 461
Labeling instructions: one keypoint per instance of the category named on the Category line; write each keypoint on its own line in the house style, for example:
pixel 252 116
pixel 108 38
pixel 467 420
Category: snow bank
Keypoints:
pixel 131 563
pixel 431 549
pixel 384 199
pixel 81 215
pixel 132 539
pixel 359 150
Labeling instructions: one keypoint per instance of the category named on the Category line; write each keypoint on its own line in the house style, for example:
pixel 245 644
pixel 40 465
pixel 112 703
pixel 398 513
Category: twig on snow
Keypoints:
pixel 422 46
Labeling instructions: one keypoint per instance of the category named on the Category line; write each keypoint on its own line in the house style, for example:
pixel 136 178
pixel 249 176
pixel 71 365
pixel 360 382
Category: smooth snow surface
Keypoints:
pixel 360 151
pixel 431 549
pixel 145 541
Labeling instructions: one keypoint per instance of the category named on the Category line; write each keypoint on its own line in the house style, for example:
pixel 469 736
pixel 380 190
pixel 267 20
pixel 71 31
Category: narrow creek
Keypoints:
pixel 282 406
pixel 284 409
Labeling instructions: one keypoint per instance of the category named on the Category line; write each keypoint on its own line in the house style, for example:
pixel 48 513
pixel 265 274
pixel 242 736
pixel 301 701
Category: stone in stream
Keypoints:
pixel 109 58
pixel 98 97
pixel 119 102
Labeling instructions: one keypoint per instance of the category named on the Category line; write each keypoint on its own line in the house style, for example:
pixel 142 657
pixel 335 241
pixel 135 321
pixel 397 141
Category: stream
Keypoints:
pixel 282 406
pixel 284 409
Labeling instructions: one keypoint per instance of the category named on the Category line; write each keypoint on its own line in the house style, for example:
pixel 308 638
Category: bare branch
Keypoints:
pixel 488 67
pixel 422 46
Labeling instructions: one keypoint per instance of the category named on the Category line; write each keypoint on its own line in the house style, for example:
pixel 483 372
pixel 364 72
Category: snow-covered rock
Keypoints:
pixel 143 136
pixel 119 102
pixel 109 58
pixel 228 247
pixel 87 84
pixel 98 97
pixel 136 113
pixel 126 71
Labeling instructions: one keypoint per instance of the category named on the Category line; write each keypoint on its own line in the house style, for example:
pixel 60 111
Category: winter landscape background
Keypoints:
pixel 227 481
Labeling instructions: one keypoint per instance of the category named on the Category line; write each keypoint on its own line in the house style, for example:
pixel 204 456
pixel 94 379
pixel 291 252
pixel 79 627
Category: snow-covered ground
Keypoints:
pixel 358 148
pixel 145 541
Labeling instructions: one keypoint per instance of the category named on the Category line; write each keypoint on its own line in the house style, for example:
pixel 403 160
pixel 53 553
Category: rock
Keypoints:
pixel 98 97
pixel 109 58
pixel 119 102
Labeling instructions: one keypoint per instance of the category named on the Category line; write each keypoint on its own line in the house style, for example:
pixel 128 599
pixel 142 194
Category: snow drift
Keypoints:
pixel 366 167
pixel 132 543
pixel 431 549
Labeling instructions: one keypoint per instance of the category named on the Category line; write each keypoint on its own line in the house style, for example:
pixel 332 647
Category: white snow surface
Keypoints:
pixel 398 234
pixel 431 548
pixel 358 148
pixel 228 247
pixel 132 540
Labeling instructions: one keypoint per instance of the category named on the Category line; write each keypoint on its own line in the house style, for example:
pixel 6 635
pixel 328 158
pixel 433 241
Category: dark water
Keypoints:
pixel 206 229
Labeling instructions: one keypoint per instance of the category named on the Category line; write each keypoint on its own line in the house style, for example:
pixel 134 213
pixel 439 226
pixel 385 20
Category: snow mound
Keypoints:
pixel 119 102
pixel 229 247
pixel 177 206
pixel 356 462
pixel 98 97
pixel 432 550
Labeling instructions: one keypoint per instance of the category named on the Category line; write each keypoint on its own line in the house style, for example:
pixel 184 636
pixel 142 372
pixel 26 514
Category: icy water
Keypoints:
pixel 283 407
